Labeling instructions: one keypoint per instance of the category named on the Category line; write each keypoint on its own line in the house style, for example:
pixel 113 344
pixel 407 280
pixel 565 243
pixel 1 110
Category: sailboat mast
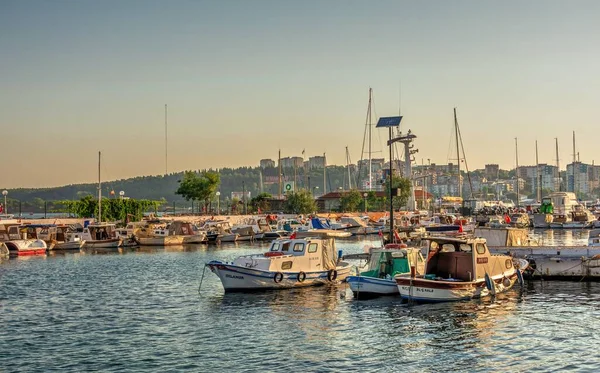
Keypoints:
pixel 457 155
pixel 574 161
pixel 537 174
pixel 324 174
pixel 557 182
pixel 370 127
pixel 517 169
pixel 99 190
pixel 280 192
pixel 348 168
pixel 166 144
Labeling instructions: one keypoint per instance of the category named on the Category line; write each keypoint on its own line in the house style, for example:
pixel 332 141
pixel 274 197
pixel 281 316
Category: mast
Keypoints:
pixel 537 174
pixel 457 155
pixel 557 181
pixel 517 169
pixel 574 161
pixel 280 196
pixel 324 174
pixel 348 168
pixel 166 144
pixel 99 191
pixel 370 128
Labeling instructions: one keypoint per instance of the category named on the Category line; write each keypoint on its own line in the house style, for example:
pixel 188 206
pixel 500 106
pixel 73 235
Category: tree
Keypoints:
pixel 300 202
pixel 403 185
pixel 351 201
pixel 199 187
pixel 261 202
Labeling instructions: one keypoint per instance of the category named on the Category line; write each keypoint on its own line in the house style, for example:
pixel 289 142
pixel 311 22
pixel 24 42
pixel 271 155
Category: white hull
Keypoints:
pixel 236 278
pixel 73 245
pixel 429 291
pixel 26 247
pixel 228 238
pixel 102 244
pixel 160 241
pixel 194 239
pixel 371 286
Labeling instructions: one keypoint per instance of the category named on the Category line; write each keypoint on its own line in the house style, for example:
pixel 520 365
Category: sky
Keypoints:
pixel 243 79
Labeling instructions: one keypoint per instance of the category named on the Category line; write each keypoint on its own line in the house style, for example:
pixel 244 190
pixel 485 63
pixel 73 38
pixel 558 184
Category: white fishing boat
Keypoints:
pixel 97 236
pixel 458 269
pixel 219 231
pixel 307 259
pixel 384 263
pixel 26 247
pixel 59 237
pixel 594 238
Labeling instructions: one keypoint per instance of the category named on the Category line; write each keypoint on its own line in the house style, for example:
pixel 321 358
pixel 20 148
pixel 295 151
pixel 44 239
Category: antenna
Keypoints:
pixel 166 144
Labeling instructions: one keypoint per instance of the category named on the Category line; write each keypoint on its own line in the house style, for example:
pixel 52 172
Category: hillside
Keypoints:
pixel 163 187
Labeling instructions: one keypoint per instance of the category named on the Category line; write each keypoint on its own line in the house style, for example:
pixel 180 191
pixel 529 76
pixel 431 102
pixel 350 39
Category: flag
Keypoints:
pixel 1 208
pixel 460 228
pixel 397 236
pixel 380 233
pixel 293 236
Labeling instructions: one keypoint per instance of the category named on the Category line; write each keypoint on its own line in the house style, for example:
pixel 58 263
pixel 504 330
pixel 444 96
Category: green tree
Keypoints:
pixel 199 187
pixel 403 185
pixel 351 201
pixel 261 202
pixel 112 209
pixel 301 202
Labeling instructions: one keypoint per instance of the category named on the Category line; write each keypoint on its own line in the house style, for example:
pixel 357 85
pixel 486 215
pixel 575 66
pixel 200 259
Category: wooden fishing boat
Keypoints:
pixel 458 269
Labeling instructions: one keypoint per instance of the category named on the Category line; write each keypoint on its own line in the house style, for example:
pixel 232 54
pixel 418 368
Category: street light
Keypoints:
pixel 122 194
pixel 316 187
pixel 365 194
pixel 218 202
pixel 4 193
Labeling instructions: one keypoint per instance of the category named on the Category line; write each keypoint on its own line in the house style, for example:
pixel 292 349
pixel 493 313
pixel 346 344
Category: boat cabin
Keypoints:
pixel 97 232
pixel 469 259
pixel 387 263
pixel 310 254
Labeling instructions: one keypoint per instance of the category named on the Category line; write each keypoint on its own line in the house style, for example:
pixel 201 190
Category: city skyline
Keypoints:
pixel 245 79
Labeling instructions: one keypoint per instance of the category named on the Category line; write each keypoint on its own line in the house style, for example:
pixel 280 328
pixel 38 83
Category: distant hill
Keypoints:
pixel 163 187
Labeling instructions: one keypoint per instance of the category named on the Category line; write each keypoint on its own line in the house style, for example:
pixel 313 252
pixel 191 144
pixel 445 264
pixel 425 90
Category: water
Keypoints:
pixel 139 309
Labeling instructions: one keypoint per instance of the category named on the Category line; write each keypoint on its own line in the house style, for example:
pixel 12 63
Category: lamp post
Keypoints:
pixel 122 194
pixel 4 193
pixel 218 194
pixel 365 194
pixel 316 187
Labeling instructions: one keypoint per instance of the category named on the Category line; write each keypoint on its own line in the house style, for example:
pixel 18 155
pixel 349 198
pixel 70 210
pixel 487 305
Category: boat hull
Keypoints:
pixel 102 244
pixel 240 279
pixel 160 241
pixel 430 291
pixel 367 287
pixel 26 247
pixel 73 245
pixel 194 239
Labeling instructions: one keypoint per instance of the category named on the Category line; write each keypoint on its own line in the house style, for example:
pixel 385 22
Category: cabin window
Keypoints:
pixel 286 265
pixel 312 248
pixel 508 263
pixel 480 248
pixel 465 248
pixel 275 247
pixel 447 248
pixel 298 247
pixel 285 247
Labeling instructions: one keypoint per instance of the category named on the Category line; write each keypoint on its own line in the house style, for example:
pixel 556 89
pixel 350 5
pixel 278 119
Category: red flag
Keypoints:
pixel 396 236
pixel 293 236
pixel 460 228
pixel 380 233
pixel 1 208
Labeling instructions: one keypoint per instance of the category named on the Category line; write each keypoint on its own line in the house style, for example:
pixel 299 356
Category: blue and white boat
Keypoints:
pixel 383 264
pixel 303 259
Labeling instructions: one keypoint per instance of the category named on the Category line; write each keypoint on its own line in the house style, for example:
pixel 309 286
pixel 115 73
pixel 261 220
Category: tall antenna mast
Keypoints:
pixel 457 155
pixel 557 181
pixel 517 169
pixel 324 174
pixel 574 162
pixel 370 128
pixel 99 190
pixel 348 167
pixel 166 144
pixel 280 191
pixel 538 176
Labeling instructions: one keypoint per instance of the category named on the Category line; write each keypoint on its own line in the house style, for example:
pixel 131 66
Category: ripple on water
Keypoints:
pixel 137 310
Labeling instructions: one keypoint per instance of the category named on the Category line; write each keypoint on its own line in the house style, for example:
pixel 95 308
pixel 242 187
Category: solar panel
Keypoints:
pixel 385 122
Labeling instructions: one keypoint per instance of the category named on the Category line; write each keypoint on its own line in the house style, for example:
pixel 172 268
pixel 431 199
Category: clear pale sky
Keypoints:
pixel 244 78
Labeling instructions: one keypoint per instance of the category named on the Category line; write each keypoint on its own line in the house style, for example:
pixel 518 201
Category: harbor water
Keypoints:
pixel 140 309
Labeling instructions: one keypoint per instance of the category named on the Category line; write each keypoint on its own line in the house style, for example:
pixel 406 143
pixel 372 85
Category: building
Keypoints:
pixel 316 162
pixel 267 163
pixel 292 162
pixel 582 177
pixel 491 171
